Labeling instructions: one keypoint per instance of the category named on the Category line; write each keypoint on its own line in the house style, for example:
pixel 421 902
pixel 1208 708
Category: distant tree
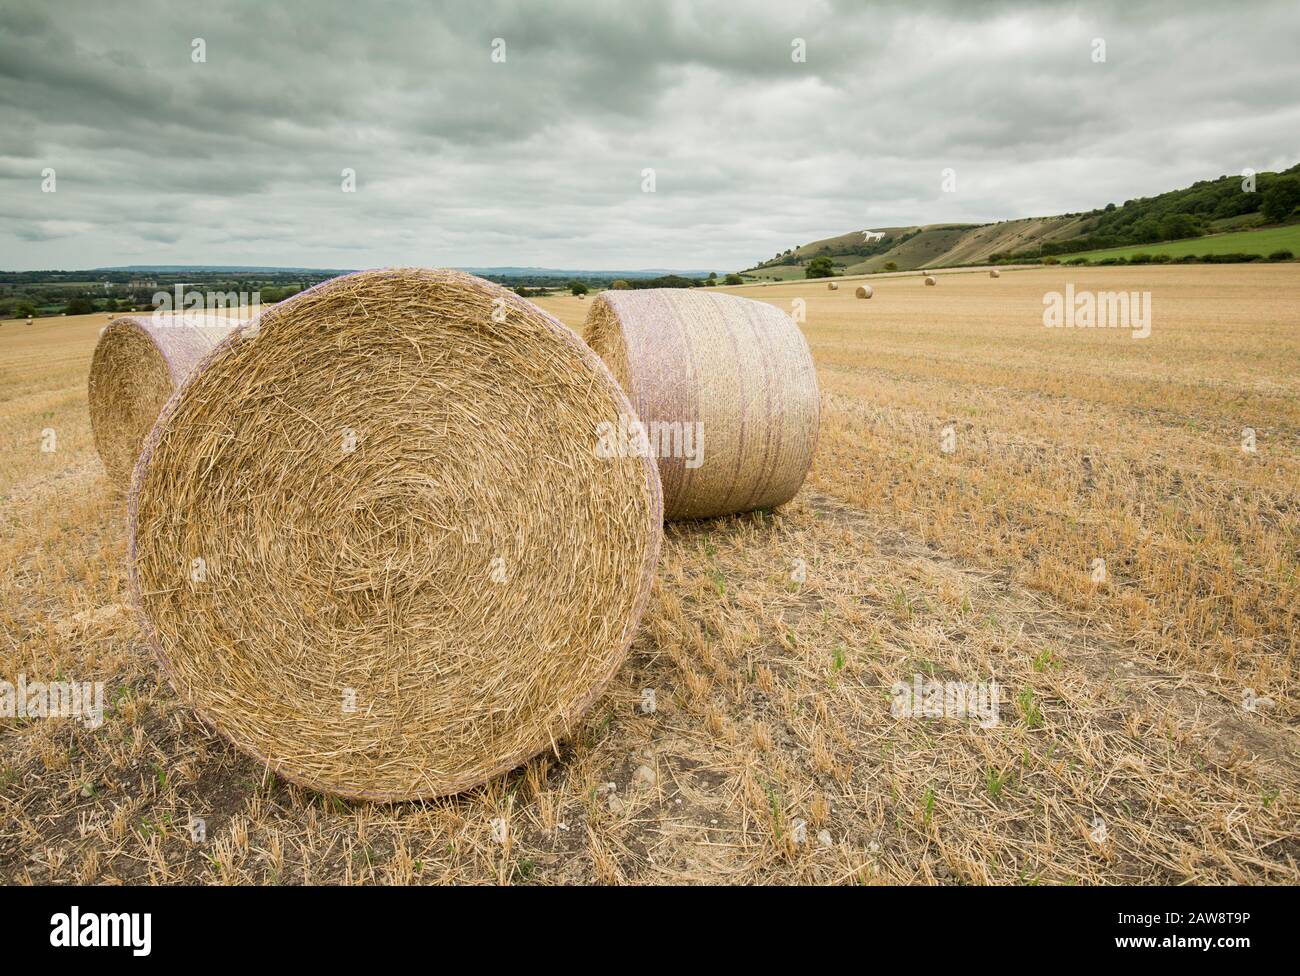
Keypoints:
pixel 665 281
pixel 820 267
pixel 713 276
pixel 734 279
pixel 1280 199
pixel 620 284
pixel 25 311
pixel 890 266
pixel 577 287
pixel 79 306
pixel 1146 231
pixel 1175 227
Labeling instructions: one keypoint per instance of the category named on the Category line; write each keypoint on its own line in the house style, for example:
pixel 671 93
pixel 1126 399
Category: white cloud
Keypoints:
pixel 462 161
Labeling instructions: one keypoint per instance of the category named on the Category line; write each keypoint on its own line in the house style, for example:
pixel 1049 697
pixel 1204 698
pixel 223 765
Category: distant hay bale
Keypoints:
pixel 929 280
pixel 138 363
pixel 864 291
pixel 725 374
pixel 995 273
pixel 374 544
pixel 832 286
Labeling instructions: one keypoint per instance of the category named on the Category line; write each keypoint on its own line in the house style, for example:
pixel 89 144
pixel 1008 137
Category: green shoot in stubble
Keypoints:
pixel 837 665
pixel 1029 709
pixel 774 803
pixel 719 582
pixel 995 780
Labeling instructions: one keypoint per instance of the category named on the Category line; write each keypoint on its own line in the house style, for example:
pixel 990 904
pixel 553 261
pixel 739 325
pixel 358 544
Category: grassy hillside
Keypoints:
pixel 1264 242
pixel 918 250
pixel 911 248
pixel 1175 222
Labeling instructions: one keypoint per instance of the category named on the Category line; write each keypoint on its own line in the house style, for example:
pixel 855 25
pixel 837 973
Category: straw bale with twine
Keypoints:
pixel 735 369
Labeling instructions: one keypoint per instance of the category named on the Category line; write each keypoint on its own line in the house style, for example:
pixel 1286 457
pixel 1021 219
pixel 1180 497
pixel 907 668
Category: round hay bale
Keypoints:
pixel 373 543
pixel 725 389
pixel 864 291
pixel 832 286
pixel 138 363
pixel 929 280
pixel 995 273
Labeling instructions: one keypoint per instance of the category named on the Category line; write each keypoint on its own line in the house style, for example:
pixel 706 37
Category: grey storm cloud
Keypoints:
pixel 461 160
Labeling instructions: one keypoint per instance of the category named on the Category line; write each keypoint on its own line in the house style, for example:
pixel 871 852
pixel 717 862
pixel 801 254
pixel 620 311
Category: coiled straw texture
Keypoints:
pixel 372 541
pixel 138 363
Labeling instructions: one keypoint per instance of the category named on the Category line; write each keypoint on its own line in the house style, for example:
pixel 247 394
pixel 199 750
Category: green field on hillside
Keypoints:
pixel 1264 241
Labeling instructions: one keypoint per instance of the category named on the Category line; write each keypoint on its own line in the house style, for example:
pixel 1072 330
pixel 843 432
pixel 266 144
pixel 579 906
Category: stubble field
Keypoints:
pixel 973 468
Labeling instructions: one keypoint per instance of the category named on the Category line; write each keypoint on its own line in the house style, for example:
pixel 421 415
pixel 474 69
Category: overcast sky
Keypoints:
pixel 538 159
